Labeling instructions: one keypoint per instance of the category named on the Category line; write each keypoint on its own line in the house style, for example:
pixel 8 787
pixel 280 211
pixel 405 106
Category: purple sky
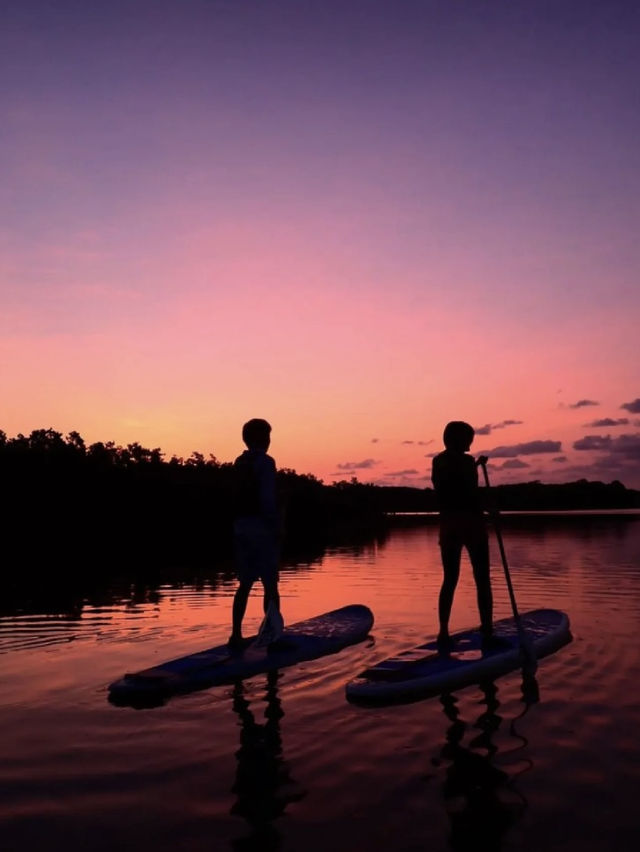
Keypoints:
pixel 368 216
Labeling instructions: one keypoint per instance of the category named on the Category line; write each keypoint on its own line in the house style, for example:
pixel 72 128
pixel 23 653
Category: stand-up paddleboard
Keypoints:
pixel 424 671
pixel 306 640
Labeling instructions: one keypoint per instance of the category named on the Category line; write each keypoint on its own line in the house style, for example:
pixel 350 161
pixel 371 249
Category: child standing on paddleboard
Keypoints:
pixel 256 527
pixel 462 525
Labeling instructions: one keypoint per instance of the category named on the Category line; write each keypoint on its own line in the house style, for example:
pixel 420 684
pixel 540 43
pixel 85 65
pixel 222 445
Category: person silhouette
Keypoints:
pixel 256 525
pixel 454 476
pixel 481 799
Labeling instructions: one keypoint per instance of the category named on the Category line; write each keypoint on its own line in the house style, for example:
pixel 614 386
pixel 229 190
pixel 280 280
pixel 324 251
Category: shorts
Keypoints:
pixel 256 551
pixel 463 530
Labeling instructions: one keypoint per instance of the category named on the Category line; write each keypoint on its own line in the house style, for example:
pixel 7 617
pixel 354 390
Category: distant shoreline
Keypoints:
pixel 526 517
pixel 64 500
pixel 531 512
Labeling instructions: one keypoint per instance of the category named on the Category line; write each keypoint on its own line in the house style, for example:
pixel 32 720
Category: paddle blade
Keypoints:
pixel 530 689
pixel 528 654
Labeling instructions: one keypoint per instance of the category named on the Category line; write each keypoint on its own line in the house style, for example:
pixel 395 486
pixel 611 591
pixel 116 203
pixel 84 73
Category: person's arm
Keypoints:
pixel 485 498
pixel 439 481
pixel 435 473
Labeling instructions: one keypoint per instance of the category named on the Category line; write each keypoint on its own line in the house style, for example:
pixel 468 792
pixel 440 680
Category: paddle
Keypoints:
pixel 529 663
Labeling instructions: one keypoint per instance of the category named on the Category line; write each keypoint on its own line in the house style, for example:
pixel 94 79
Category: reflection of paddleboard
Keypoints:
pixel 324 634
pixel 423 671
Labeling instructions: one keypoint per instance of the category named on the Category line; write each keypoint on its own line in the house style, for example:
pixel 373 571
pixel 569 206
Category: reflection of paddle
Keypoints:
pixel 529 663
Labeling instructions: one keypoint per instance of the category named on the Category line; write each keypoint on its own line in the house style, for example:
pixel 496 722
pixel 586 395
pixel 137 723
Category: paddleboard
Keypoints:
pixel 424 671
pixel 306 640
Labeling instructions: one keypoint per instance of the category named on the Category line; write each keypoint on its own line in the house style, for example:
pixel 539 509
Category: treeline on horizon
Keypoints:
pixel 66 497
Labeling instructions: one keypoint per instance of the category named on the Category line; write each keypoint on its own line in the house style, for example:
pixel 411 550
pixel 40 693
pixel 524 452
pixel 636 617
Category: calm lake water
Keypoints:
pixel 283 762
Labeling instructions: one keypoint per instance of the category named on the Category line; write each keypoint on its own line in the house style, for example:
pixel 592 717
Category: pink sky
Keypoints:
pixel 358 224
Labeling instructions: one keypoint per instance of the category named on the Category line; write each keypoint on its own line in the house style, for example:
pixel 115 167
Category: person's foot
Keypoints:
pixel 492 643
pixel 444 643
pixel 236 644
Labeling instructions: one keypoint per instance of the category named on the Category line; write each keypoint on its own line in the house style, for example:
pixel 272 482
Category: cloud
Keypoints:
pixel 607 421
pixel 593 442
pixel 407 442
pixel 627 445
pixel 583 403
pixel 513 464
pixel 366 464
pixel 410 472
pixel 425 443
pixel 612 459
pixel 400 480
pixel 489 427
pixel 530 448
pixel 375 440
pixel 632 407
pixel 608 465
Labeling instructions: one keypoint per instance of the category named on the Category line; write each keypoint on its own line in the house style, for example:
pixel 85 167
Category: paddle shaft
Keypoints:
pixel 524 642
pixel 503 556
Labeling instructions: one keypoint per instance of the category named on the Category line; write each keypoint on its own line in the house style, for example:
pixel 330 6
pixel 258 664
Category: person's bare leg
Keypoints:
pixel 270 594
pixel 479 555
pixel 240 600
pixel 450 554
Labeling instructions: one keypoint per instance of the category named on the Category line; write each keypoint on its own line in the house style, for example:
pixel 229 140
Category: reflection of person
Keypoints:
pixel 462 524
pixel 263 785
pixel 482 801
pixel 256 523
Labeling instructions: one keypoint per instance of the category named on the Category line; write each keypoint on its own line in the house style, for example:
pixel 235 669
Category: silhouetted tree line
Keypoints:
pixel 525 496
pixel 65 498
pixel 582 494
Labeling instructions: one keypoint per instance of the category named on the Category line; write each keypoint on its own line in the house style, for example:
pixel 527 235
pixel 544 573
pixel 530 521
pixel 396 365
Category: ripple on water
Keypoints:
pixel 24 633
pixel 339 776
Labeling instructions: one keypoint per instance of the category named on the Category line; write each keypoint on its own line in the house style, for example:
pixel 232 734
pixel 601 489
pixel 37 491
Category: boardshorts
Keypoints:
pixel 463 529
pixel 256 550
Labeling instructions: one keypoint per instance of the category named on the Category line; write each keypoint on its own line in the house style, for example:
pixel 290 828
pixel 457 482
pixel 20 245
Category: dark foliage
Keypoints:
pixel 104 501
pixel 525 497
pixel 580 495
pixel 69 501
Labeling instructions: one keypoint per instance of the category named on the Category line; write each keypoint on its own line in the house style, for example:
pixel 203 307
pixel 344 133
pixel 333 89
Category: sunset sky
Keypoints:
pixel 358 219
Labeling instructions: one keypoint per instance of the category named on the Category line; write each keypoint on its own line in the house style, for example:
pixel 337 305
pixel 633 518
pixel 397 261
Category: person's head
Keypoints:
pixel 256 434
pixel 458 436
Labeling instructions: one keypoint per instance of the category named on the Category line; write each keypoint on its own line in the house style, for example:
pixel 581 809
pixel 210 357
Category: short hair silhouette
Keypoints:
pixel 256 432
pixel 458 435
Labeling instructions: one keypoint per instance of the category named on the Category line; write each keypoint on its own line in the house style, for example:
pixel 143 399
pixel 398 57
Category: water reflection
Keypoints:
pixel 118 778
pixel 481 799
pixel 263 785
pixel 39 612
